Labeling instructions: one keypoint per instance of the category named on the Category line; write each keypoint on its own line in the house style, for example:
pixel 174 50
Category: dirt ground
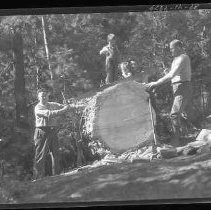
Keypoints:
pixel 176 178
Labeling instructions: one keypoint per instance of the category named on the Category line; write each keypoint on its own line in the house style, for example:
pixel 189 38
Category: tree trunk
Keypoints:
pixel 119 116
pixel 21 110
pixel 35 61
pixel 46 47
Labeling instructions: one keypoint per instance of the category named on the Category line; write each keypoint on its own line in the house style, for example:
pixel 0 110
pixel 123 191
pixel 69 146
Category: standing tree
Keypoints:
pixel 46 46
pixel 21 111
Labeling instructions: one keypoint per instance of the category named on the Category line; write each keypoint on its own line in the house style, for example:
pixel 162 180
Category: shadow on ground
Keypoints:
pixel 181 177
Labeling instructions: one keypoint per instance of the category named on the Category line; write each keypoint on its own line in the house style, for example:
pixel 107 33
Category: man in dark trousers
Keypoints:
pixel 180 76
pixel 111 65
pixel 45 137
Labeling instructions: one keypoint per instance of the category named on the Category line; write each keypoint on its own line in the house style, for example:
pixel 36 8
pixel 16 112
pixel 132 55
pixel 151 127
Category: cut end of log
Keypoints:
pixel 120 116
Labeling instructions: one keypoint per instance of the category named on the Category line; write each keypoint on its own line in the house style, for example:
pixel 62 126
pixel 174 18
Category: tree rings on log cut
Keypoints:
pixel 120 116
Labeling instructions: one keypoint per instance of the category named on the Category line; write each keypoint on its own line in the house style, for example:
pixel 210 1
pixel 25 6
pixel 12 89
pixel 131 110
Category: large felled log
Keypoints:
pixel 119 116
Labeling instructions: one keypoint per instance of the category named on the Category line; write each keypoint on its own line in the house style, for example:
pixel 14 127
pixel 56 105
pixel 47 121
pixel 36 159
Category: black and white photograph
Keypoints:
pixel 105 105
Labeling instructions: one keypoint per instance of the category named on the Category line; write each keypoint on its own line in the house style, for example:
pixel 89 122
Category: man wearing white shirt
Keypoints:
pixel 45 136
pixel 111 52
pixel 180 76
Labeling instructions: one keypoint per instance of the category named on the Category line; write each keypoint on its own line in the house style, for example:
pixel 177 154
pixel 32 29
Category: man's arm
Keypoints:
pixel 175 69
pixel 57 105
pixel 104 50
pixel 48 113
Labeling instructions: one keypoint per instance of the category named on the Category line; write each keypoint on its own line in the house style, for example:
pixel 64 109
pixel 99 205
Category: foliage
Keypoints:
pixel 74 42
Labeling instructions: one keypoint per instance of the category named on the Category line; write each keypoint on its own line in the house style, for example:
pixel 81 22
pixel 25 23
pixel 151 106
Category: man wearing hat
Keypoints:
pixel 45 136
pixel 180 76
pixel 111 51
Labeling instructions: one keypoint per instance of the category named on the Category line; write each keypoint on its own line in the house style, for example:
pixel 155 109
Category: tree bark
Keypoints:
pixel 21 109
pixel 35 61
pixel 46 47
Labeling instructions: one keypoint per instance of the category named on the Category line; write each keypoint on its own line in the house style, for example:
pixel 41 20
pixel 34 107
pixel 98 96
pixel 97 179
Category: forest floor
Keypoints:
pixel 177 178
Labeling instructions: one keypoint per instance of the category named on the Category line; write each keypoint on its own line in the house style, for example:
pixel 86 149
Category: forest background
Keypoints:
pixel 63 51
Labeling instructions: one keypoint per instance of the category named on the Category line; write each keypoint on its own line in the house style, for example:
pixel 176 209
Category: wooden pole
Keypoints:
pixel 153 124
pixel 154 144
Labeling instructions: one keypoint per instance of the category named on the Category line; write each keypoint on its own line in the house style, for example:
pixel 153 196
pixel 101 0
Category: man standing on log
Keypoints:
pixel 124 67
pixel 180 76
pixel 45 137
pixel 111 65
